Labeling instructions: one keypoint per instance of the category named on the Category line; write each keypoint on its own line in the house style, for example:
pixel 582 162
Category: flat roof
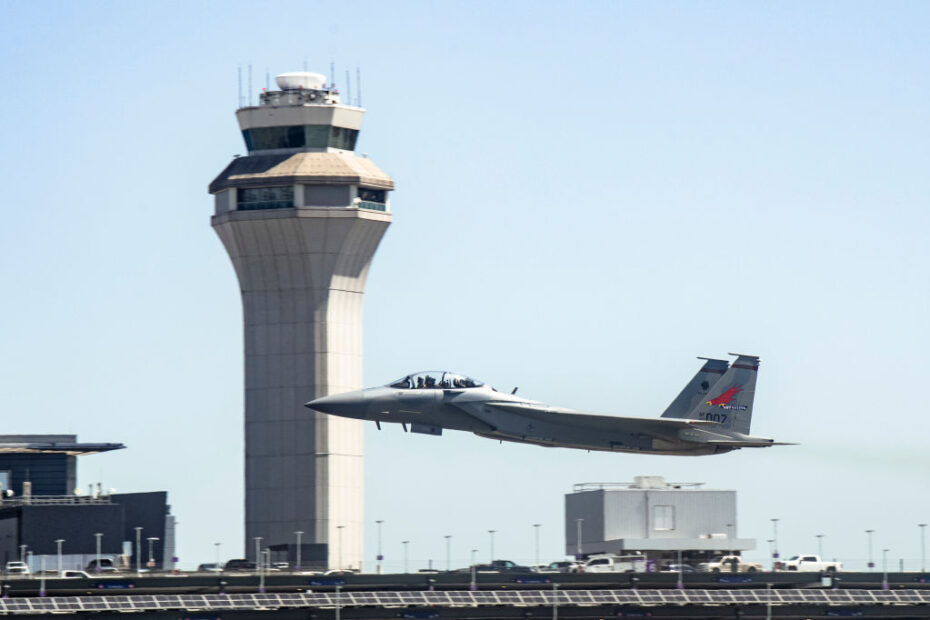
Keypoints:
pixel 52 444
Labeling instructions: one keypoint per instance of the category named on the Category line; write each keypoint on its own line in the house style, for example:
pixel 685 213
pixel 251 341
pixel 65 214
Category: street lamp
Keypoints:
pixel 536 528
pixel 820 546
pixel 448 538
pixel 152 540
pixel 730 535
pixel 775 538
pixel 405 543
pixel 491 532
pixel 258 564
pixel 885 568
pixel 578 553
pixel 98 535
pixel 923 547
pixel 217 546
pixel 58 542
pixel 869 534
pixel 771 542
pixel 22 553
pixel 138 529
pixel 380 556
pixel 339 529
pixel 42 578
pixel 298 533
pixel 266 563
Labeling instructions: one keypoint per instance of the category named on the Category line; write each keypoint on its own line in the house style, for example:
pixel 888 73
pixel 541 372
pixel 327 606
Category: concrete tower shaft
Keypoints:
pixel 301 217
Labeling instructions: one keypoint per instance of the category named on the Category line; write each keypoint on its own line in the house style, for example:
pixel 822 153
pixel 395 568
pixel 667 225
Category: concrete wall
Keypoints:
pixel 302 275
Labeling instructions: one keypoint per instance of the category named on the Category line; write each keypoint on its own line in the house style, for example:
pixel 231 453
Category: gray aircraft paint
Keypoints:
pixel 717 421
pixel 697 389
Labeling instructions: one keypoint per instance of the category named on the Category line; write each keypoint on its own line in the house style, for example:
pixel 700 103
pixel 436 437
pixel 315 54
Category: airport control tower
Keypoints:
pixel 301 217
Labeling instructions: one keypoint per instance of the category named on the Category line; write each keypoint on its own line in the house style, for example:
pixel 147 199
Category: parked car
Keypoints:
pixel 501 566
pixel 679 568
pixel 240 564
pixel 74 574
pixel 106 566
pixel 210 567
pixel 561 567
pixel 17 568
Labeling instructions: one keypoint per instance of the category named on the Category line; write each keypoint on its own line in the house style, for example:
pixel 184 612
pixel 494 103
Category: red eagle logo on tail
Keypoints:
pixel 724 399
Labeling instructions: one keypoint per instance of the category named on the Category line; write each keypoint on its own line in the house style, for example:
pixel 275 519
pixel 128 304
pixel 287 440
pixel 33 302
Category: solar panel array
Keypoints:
pixel 460 598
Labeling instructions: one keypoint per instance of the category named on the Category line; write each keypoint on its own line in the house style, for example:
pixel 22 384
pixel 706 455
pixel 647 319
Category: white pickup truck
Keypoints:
pixel 809 563
pixel 614 564
pixel 728 564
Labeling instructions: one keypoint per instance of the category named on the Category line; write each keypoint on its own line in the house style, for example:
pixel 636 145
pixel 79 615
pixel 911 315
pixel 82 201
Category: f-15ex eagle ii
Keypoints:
pixel 711 415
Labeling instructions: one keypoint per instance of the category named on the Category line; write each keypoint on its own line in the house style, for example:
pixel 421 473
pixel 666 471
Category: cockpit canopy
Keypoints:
pixel 435 380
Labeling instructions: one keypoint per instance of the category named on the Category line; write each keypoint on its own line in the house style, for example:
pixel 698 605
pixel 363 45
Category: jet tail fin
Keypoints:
pixel 696 390
pixel 729 401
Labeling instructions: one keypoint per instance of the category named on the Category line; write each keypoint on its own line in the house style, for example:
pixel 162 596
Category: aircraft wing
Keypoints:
pixel 546 413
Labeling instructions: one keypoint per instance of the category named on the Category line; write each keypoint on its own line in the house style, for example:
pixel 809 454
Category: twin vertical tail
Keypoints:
pixel 696 390
pixel 728 400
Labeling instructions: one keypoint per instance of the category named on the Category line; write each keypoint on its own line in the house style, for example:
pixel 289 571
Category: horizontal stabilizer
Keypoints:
pixel 732 443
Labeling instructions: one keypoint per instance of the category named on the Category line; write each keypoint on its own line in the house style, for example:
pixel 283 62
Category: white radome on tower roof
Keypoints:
pixel 300 79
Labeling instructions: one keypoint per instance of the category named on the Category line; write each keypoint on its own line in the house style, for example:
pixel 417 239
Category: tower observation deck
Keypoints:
pixel 301 217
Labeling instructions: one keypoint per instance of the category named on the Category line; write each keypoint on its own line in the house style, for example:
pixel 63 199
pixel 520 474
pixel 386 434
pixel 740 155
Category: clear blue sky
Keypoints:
pixel 589 195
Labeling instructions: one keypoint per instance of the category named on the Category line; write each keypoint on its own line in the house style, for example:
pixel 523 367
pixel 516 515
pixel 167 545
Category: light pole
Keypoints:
pixel 22 553
pixel 138 530
pixel 491 532
pixel 405 543
pixel 298 533
pixel 820 546
pixel 771 542
pixel 58 542
pixel 42 573
pixel 885 568
pixel 473 553
pixel 775 538
pixel 152 540
pixel 448 538
pixel 730 536
pixel 578 553
pixel 266 562
pixel 923 547
pixel 380 556
pixel 339 529
pixel 869 534
pixel 536 529
pixel 217 547
pixel 258 553
pixel 98 535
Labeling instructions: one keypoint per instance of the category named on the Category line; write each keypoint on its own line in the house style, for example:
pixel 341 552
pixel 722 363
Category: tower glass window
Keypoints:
pixel 299 136
pixel 375 199
pixel 254 198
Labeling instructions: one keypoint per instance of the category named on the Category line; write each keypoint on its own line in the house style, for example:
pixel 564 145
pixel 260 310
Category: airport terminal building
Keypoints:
pixel 41 510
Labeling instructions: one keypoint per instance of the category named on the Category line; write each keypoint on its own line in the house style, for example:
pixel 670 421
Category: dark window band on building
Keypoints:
pixel 255 198
pixel 374 199
pixel 299 137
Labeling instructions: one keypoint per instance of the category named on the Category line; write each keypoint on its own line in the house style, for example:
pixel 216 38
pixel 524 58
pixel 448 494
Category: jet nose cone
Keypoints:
pixel 350 405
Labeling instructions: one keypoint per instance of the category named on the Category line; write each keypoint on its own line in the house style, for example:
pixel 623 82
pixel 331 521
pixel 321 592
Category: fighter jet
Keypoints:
pixel 711 415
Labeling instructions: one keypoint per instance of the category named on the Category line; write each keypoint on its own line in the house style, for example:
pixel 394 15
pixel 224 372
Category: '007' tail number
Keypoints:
pixel 715 417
